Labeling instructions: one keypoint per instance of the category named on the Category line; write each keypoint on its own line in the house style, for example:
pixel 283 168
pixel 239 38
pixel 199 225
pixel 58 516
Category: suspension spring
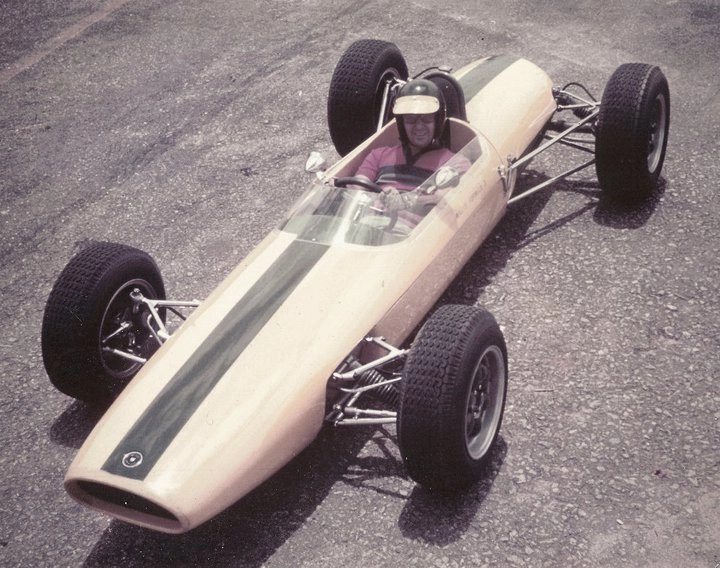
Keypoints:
pixel 389 394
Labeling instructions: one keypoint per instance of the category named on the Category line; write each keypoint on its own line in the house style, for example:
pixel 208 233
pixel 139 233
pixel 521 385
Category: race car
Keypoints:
pixel 327 321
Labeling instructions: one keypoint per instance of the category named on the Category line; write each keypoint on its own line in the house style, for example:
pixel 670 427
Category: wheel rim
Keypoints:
pixel 658 126
pixel 134 337
pixel 485 402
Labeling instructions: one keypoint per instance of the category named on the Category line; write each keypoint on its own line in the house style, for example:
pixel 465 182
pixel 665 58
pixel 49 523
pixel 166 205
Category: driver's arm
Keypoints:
pixel 376 158
pixel 366 178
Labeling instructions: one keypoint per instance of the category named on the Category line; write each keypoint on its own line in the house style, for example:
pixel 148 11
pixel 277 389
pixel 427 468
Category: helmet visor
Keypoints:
pixel 416 104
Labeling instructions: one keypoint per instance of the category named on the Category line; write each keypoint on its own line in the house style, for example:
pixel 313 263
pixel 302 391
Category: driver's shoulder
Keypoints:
pixel 384 155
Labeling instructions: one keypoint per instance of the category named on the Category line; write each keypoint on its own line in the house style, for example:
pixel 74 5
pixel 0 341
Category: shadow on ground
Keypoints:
pixel 439 518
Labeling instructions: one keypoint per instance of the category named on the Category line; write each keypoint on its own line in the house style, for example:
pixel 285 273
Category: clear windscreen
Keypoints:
pixel 332 214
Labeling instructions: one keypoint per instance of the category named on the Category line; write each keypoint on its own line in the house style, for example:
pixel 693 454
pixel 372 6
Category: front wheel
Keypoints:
pixel 632 131
pixel 453 397
pixel 90 317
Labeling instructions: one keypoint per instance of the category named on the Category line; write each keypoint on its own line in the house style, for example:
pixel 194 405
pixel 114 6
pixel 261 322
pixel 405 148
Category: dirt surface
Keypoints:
pixel 182 128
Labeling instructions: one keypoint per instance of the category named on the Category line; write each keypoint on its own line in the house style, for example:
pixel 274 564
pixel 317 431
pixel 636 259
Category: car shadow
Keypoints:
pixel 509 236
pixel 434 517
pixel 441 518
pixel 628 214
pixel 74 425
pixel 515 231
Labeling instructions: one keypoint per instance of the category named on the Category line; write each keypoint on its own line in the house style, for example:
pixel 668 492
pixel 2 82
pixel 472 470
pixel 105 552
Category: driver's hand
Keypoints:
pixel 430 199
pixel 397 200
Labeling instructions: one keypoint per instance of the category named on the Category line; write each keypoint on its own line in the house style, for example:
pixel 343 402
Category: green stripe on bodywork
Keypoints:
pixel 173 407
pixel 477 78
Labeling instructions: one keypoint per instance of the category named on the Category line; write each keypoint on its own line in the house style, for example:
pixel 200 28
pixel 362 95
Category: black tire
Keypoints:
pixel 356 90
pixel 90 298
pixel 632 131
pixel 452 397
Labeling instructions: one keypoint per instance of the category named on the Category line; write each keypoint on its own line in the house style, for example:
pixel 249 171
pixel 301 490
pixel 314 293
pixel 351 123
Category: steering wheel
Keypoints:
pixel 362 182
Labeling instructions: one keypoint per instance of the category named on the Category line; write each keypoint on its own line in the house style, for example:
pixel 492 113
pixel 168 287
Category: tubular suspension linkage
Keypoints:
pixel 586 109
pixel 153 321
pixel 356 380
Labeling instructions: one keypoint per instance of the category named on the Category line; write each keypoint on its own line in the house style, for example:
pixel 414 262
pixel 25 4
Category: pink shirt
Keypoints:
pixel 393 155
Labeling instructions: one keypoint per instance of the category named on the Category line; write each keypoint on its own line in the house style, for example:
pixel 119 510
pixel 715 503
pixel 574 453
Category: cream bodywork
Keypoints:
pixel 270 402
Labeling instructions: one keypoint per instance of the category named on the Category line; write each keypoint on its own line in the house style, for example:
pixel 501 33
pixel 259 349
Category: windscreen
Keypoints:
pixel 350 213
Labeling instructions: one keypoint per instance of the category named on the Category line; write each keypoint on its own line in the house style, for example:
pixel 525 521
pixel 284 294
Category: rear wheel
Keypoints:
pixel 453 397
pixel 632 131
pixel 90 312
pixel 356 90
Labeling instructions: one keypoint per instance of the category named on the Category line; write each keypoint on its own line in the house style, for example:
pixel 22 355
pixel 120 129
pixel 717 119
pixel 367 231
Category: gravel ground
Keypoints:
pixel 182 128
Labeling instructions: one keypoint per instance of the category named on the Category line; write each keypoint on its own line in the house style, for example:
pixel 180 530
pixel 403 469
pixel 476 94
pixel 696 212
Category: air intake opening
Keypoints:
pixel 124 499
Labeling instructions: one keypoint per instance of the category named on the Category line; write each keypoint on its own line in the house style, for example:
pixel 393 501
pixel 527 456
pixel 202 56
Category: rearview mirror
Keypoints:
pixel 315 163
pixel 446 176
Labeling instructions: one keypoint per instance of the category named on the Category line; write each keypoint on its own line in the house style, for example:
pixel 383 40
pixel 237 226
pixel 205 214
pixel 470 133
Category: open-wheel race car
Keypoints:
pixel 318 324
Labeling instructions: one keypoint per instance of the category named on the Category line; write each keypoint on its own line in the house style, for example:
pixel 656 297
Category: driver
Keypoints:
pixel 424 138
